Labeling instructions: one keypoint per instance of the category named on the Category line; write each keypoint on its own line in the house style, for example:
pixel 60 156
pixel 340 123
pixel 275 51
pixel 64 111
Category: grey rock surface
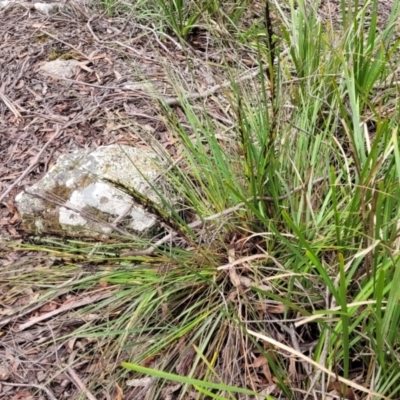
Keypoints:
pixel 79 196
pixel 4 3
pixel 60 68
pixel 46 8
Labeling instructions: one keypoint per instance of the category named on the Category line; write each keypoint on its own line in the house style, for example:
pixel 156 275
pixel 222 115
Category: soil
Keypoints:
pixel 110 99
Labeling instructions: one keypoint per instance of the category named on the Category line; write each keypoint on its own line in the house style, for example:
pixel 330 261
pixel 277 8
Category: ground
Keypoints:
pixel 112 98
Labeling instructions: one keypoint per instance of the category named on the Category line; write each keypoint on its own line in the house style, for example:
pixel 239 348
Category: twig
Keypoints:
pixel 132 49
pixel 86 84
pixel 28 309
pixel 91 30
pixel 67 44
pixel 213 89
pixel 293 191
pixel 178 46
pixel 51 117
pixel 79 384
pixel 292 333
pixel 66 307
pixel 10 105
pixel 140 395
pixel 77 6
pixel 242 260
pixel 40 387
pixel 32 166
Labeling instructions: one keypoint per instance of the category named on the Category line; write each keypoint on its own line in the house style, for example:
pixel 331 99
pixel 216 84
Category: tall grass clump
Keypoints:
pixel 311 189
pixel 311 223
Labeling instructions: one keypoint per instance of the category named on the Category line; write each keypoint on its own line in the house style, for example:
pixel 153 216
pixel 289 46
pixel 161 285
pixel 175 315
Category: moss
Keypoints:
pixel 42 38
pixel 45 222
pixel 62 191
pixel 95 213
pixel 71 55
pixel 54 54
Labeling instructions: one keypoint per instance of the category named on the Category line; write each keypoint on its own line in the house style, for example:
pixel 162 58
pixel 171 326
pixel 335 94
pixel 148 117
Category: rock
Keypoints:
pixel 60 68
pixel 79 194
pixel 46 8
pixel 4 3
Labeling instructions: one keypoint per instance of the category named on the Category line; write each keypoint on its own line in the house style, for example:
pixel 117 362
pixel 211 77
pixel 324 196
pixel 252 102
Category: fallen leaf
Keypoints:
pixel 14 219
pixel 268 390
pixel 186 362
pixel 119 392
pixel 259 361
pixel 276 309
pixel 342 390
pixel 234 277
pixel 20 85
pixel 51 306
pixel 167 393
pixel 85 68
pixel 267 373
pixel 148 361
pixel 292 368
